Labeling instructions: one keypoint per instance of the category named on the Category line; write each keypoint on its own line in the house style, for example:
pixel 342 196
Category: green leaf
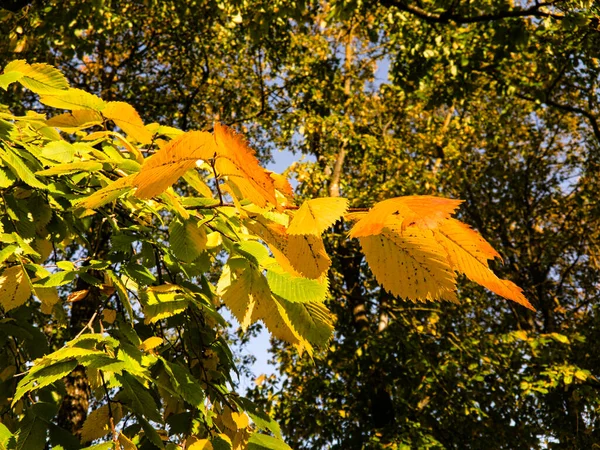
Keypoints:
pixel 258 441
pixel 7 440
pixel 31 434
pixel 160 302
pixel 74 99
pixel 66 169
pixel 140 274
pixel 20 169
pixel 139 398
pixel 296 289
pixel 185 384
pixel 151 433
pixel 42 377
pixel 187 240
pixel 253 250
pixel 42 78
pixel 61 151
pixel 313 321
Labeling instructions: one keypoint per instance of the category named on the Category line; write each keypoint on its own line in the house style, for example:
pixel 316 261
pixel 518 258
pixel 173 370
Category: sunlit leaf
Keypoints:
pixel 14 288
pixel 316 215
pixel 167 165
pixel 422 211
pixel 126 117
pixel 237 162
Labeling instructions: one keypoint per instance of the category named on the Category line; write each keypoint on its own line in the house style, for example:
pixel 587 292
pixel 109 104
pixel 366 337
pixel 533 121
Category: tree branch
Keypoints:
pixel 450 16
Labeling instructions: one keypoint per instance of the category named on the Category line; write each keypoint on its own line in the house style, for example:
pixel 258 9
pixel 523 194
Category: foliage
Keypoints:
pixel 88 219
pixel 492 102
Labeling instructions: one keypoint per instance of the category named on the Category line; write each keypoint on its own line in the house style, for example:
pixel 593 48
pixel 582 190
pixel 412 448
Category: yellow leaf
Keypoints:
pixel 126 443
pixel 168 164
pixel 467 253
pixel 97 423
pixel 74 99
pixel 107 194
pixel 150 343
pixel 109 316
pixel 421 211
pixel 74 120
pixel 315 216
pixel 260 380
pixel 201 444
pixel 237 162
pixel 412 265
pixel 14 288
pixel 242 294
pixel 126 118
pixel 249 298
pixel 240 419
pixel 47 295
pixel 282 184
pixel 307 255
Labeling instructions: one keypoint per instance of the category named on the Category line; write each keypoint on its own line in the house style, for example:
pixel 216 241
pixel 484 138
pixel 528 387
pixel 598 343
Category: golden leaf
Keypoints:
pixel 151 343
pixel 422 211
pixel 168 164
pixel 468 253
pixel 127 118
pixel 237 162
pixel 15 288
pixel 108 193
pixel 307 255
pixel 315 216
pixel 77 296
pixel 109 316
pixel 411 266
pixel 74 120
pixel 201 444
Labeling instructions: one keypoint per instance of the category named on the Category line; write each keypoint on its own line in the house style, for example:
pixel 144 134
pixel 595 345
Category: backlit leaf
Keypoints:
pixel 20 169
pixel 66 169
pixel 307 255
pixel 468 253
pixel 97 423
pixel 316 215
pixel 74 99
pixel 61 151
pixel 75 120
pixel 41 78
pixel 165 167
pixel 187 239
pixel 412 265
pixel 14 288
pixel 297 289
pixel 126 118
pixel 163 301
pixel 237 162
pixel 108 193
pixel 422 211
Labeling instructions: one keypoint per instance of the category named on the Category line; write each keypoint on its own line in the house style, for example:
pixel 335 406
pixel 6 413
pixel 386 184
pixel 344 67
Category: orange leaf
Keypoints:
pixel 168 164
pixel 237 162
pixel 411 266
pixel 126 118
pixel 422 211
pixel 468 253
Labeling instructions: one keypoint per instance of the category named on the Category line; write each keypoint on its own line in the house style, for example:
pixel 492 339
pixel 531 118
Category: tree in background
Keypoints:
pixel 491 102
